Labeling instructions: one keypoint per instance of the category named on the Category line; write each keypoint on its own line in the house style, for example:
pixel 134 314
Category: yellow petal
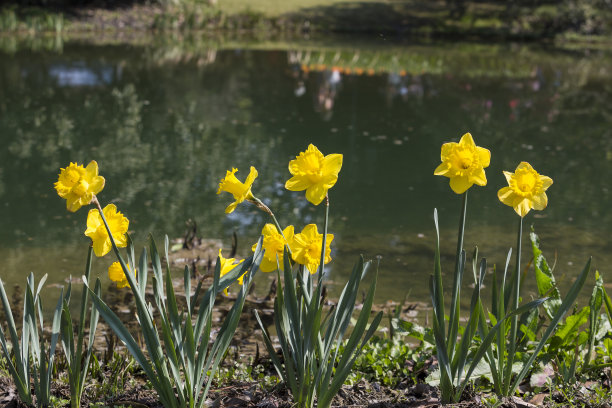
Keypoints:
pixel 540 201
pixel 312 148
pixel 329 181
pixel 73 202
pixel 332 163
pixel 315 194
pixel 508 176
pixel 484 155
pixel 297 183
pixel 467 140
pixel 447 149
pixel 522 207
pixel 310 231
pixel 506 196
pixel 101 247
pixel 267 265
pixel 97 184
pixel 524 165
pixel 92 169
pixel 460 184
pixel 251 177
pixel 289 234
pixel 230 208
pixel 312 268
pixel 546 182
pixel 120 239
pixel 442 169
pixel 269 229
pixel 479 178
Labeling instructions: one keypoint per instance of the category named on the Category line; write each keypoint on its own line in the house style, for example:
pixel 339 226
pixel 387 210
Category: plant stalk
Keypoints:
pixel 516 284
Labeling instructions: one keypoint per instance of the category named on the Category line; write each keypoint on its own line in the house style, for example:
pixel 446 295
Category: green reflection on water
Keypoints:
pixel 164 122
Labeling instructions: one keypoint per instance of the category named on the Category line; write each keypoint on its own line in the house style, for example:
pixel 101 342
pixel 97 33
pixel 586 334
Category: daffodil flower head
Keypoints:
pixel 226 265
pixel 314 173
pixel 274 246
pixel 96 230
pixel 241 191
pixel 526 189
pixel 307 248
pixel 78 184
pixel 116 274
pixel 464 164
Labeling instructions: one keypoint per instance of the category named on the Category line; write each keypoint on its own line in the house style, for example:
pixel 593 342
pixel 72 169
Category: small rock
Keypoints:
pixel 538 399
pixel 522 404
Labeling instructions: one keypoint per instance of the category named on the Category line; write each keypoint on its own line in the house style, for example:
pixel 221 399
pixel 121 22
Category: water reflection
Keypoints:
pixel 79 75
pixel 166 122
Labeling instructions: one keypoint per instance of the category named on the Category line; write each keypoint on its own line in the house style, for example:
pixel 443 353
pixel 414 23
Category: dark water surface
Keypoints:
pixel 166 122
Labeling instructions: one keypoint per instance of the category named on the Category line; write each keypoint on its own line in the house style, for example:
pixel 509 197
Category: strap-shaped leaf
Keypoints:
pixel 55 334
pixel 438 332
pixel 143 271
pixel 568 302
pixel 68 337
pixel 228 328
pixel 436 288
pixel 342 373
pixel 121 331
pixel 486 343
pixel 8 313
pixel 470 329
pixel 93 326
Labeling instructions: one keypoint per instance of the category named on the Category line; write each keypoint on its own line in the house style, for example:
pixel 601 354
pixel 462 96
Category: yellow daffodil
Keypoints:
pixel 96 230
pixel 227 264
pixel 526 189
pixel 116 274
pixel 274 246
pixel 314 173
pixel 307 248
pixel 78 184
pixel 464 164
pixel 241 191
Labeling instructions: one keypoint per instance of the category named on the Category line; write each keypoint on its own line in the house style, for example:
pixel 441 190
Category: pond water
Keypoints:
pixel 166 121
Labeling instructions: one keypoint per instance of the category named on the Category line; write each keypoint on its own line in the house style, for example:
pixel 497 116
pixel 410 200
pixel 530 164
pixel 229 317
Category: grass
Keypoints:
pixel 435 18
pixel 31 19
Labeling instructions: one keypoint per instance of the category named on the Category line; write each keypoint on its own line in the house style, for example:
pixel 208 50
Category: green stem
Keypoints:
pixel 454 312
pixel 516 284
pixel 324 244
pixel 110 235
pixel 76 395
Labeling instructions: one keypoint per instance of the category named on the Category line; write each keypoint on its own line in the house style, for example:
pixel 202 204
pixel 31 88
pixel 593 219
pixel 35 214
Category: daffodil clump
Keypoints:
pixel 464 164
pixel 307 344
pixel 311 171
pixel 173 336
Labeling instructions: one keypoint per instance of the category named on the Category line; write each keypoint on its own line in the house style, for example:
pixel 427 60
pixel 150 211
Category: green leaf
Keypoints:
pixel 570 327
pixel 568 302
pixel 545 279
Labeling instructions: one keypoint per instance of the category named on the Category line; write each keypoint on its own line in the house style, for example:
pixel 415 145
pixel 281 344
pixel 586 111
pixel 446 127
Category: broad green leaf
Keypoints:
pixel 545 279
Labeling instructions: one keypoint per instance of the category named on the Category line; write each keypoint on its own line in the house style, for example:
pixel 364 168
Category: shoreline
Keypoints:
pixel 138 20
